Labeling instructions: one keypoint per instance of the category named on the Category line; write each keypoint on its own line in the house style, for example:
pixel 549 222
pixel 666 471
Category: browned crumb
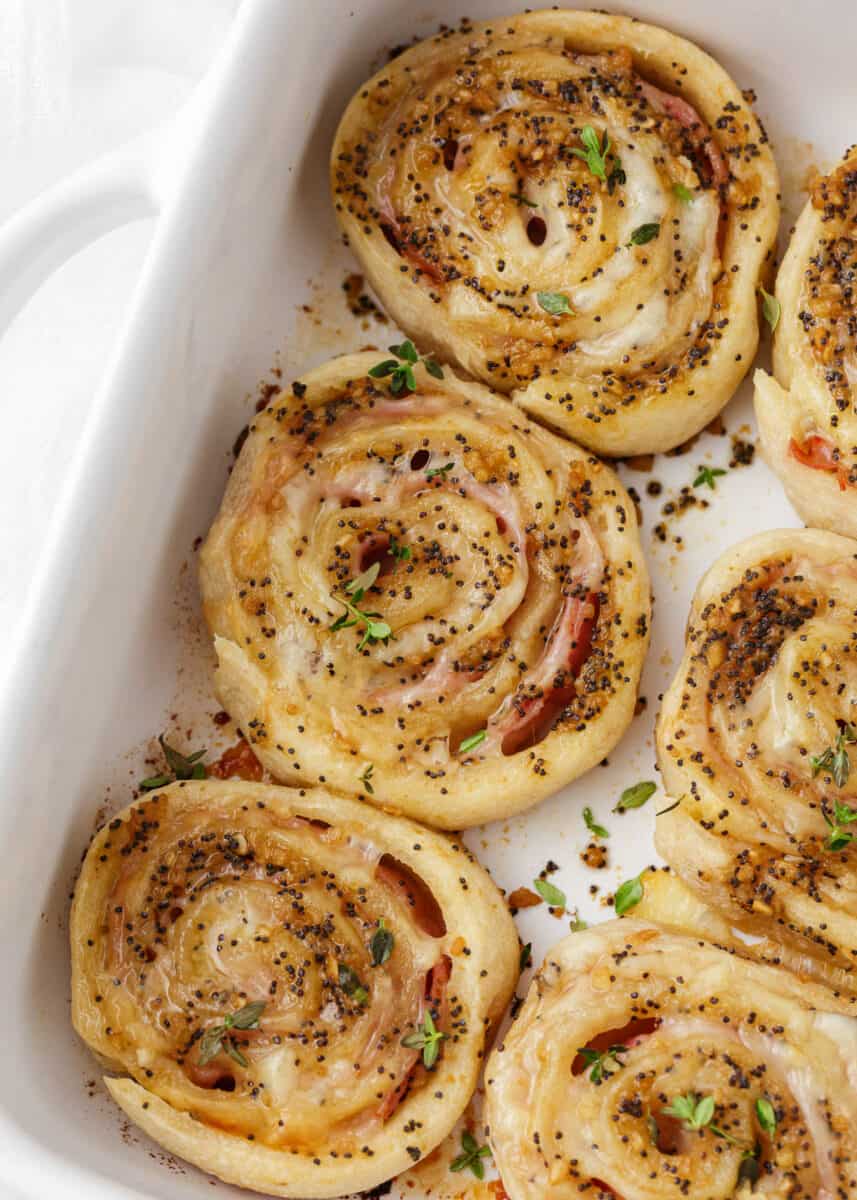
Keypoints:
pixel 595 856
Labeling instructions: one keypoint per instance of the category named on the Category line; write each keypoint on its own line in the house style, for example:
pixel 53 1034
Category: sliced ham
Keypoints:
pixel 686 115
pixel 817 452
pixel 548 688
pixel 436 999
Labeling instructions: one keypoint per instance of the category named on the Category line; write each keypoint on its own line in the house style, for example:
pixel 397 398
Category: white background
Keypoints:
pixel 77 78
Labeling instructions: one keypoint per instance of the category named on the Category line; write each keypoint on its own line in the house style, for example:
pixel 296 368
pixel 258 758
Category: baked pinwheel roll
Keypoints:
pixel 807 415
pixel 575 208
pixel 755 743
pixel 646 1064
pixel 421 597
pixel 295 991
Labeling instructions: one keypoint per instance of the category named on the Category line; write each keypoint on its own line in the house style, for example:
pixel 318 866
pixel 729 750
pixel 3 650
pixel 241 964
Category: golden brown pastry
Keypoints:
pixel 294 991
pixel 806 412
pixel 646 1064
pixel 420 596
pixel 575 208
pixel 756 739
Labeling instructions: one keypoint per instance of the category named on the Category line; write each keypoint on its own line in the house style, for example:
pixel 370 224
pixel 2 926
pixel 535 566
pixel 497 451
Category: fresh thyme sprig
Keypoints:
pixel 471 1156
pixel 375 629
pixel 426 1038
pixel 592 825
pixel 707 476
pixel 401 368
pixel 181 766
pixel 381 944
pixel 594 152
pixel 550 893
pixel 351 983
pixel 603 1063
pixel 220 1037
pixel 636 795
pixel 839 838
pixel 835 758
pixel 697 1112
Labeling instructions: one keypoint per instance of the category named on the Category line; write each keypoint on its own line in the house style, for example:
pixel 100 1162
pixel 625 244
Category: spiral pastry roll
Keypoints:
pixel 646 1064
pixel 575 208
pixel 755 744
pixel 808 412
pixel 296 991
pixel 421 597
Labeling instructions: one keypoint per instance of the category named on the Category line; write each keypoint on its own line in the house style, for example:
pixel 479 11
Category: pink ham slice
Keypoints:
pixel 687 116
pixel 551 683
pixel 817 452
pixel 436 999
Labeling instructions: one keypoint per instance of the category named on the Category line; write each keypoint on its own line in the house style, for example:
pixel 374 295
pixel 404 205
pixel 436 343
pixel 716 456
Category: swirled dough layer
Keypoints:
pixel 509 593
pixel 626 1025
pixel 755 740
pixel 250 962
pixel 574 207
pixel 808 411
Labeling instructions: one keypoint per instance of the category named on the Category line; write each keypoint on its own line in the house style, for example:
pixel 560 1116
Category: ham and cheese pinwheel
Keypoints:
pixel 808 412
pixel 420 596
pixel 575 207
pixel 645 1064
pixel 756 745
pixel 294 990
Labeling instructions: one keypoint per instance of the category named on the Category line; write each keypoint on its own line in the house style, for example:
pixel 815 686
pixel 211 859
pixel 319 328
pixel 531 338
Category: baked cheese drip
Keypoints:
pixel 422 597
pixel 808 411
pixel 756 742
pixel 575 208
pixel 647 1064
pixel 294 991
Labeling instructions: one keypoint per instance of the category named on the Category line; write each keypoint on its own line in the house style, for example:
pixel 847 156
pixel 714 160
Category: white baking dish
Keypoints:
pixel 111 644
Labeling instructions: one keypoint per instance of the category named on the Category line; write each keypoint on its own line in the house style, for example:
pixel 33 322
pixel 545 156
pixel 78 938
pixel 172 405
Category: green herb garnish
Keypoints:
pixel 401 368
pixel 594 153
pixel 696 1112
pixel 366 779
pixel 617 176
pixel 603 1062
pixel 835 758
pixel 708 475
pixel 442 471
pixel 645 233
pixel 381 945
pixel 219 1037
pixel 182 766
pixel 471 1156
pixel 351 984
pixel 628 896
pixel 668 808
pixel 374 630
pixel 475 739
pixel 550 893
pixel 400 552
pixel 636 795
pixel 519 199
pixel 526 956
pixel 766 1115
pixel 555 303
pixel 683 193
pixel 592 826
pixel 771 308
pixel 427 1038
pixel 839 838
